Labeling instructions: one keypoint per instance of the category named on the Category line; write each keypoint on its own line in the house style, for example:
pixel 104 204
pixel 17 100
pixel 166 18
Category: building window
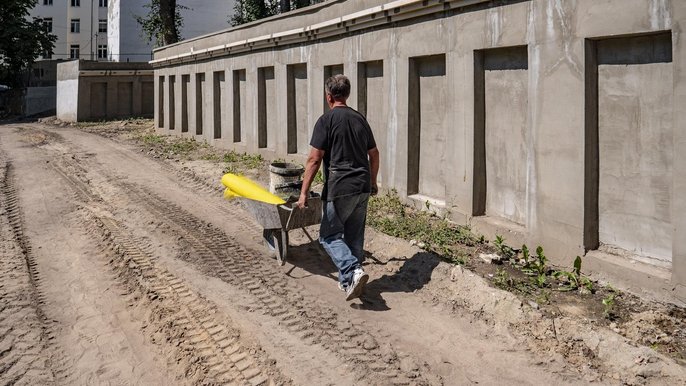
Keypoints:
pixel 103 3
pixel 75 25
pixel 46 55
pixel 75 3
pixel 47 23
pixel 74 51
pixel 102 25
pixel 47 2
pixel 102 51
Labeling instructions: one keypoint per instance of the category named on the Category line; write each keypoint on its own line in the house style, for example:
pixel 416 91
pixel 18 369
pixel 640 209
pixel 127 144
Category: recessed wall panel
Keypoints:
pixel 98 100
pixel 185 84
pixel 427 126
pixel 147 98
pixel 297 107
pixel 171 100
pixel 266 101
pixel 124 99
pixel 635 145
pixel 372 101
pixel 506 132
pixel 218 89
pixel 329 71
pixel 160 102
pixel 239 113
pixel 199 103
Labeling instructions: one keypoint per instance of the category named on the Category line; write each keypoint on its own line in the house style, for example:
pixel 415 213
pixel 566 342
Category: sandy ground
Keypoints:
pixel 117 268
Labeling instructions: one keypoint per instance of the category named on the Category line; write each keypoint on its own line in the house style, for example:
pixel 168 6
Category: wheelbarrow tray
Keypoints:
pixel 285 216
pixel 277 220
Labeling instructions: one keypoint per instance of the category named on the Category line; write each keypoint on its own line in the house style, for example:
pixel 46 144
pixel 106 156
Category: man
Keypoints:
pixel 343 139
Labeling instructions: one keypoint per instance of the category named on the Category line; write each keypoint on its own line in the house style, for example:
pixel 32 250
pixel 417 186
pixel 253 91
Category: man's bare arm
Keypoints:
pixel 314 160
pixel 374 168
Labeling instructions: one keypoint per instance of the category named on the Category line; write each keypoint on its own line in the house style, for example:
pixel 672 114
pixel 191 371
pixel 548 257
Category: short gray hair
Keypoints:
pixel 338 86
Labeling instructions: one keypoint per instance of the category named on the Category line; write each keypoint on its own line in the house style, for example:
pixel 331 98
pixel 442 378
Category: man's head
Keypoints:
pixel 337 88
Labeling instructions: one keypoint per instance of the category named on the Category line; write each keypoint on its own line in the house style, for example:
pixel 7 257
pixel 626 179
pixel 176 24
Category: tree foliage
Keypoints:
pixel 163 22
pixel 246 11
pixel 22 40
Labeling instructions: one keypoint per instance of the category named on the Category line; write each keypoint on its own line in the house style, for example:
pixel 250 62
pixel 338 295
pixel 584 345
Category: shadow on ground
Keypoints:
pixel 413 274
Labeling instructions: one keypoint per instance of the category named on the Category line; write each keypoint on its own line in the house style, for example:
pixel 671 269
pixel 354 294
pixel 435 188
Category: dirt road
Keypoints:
pixel 119 269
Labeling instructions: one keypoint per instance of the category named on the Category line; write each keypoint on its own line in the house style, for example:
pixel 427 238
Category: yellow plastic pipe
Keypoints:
pixel 239 186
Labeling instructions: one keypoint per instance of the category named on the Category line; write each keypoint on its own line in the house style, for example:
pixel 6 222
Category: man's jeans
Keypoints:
pixel 342 233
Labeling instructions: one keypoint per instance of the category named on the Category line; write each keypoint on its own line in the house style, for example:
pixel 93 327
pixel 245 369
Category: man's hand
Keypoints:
pixel 375 190
pixel 302 201
pixel 311 167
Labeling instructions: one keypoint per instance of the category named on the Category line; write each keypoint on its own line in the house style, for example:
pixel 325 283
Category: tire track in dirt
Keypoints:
pixel 284 300
pixel 276 296
pixel 27 355
pixel 203 342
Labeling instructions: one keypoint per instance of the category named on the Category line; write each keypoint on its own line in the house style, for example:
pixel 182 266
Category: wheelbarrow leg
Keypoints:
pixel 277 241
pixel 280 238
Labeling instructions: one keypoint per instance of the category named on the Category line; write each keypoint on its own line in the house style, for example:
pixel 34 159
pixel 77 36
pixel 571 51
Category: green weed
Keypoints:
pixel 502 279
pixel 506 252
pixel 574 280
pixel 210 157
pixel 525 256
pixel 183 146
pixel 537 268
pixel 543 297
pixel 609 304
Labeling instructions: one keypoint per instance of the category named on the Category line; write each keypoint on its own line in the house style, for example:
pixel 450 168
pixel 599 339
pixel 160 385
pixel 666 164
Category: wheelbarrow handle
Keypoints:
pixel 290 208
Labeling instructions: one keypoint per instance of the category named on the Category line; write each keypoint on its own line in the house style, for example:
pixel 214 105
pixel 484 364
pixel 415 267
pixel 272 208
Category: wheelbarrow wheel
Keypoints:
pixel 277 242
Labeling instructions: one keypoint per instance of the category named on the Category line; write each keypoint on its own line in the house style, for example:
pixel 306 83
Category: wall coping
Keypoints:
pixel 376 16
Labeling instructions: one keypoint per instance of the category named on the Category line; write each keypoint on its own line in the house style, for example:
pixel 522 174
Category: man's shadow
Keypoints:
pixel 412 275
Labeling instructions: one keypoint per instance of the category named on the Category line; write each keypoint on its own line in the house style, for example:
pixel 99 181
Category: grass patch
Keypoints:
pixel 171 146
pixel 237 162
pixel 389 215
pixel 152 139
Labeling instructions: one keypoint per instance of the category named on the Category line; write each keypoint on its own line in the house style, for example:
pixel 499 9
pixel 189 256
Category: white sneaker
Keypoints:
pixel 340 287
pixel 354 290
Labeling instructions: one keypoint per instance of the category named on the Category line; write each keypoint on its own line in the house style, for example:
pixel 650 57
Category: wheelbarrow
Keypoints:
pixel 277 219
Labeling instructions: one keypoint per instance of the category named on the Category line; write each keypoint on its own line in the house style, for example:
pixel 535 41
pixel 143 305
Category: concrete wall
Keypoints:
pixel 100 90
pixel 39 100
pixel 523 118
pixel 68 90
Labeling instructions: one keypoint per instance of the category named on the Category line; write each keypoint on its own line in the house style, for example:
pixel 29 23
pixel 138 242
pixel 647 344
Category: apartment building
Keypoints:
pixel 109 30
pixel 80 26
pixel 125 38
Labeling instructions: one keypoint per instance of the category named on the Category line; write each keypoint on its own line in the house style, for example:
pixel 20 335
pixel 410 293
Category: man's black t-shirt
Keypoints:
pixel 345 137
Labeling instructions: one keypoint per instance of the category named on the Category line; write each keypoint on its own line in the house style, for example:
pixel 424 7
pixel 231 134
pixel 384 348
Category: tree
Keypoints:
pixel 246 11
pixel 22 40
pixel 163 22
